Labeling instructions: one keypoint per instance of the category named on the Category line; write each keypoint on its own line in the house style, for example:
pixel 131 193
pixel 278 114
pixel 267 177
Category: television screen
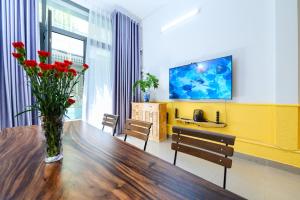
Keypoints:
pixel 211 79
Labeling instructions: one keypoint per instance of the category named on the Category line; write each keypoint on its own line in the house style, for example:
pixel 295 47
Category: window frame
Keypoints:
pixel 74 36
pixel 43 27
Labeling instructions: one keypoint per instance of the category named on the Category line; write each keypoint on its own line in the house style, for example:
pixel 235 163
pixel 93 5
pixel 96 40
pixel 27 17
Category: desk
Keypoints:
pixel 95 166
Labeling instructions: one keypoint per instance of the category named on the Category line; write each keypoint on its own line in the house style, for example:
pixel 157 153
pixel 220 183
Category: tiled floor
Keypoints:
pixel 247 178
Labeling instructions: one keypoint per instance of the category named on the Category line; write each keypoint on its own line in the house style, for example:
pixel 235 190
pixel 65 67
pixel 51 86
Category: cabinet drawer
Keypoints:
pixel 135 106
pixel 150 107
pixel 154 113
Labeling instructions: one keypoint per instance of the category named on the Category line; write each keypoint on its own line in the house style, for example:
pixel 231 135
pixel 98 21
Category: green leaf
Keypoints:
pixel 149 82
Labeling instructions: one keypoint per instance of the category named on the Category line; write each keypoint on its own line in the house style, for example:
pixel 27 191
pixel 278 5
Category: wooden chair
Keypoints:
pixel 110 121
pixel 138 129
pixel 210 146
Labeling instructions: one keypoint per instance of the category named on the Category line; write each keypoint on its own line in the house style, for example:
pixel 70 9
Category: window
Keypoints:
pixel 68 40
pixel 68 17
pixel 68 48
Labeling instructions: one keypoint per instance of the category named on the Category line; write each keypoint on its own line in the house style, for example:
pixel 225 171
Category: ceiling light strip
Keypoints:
pixel 180 19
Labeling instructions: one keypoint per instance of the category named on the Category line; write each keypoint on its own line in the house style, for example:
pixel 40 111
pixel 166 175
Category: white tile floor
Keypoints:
pixel 247 178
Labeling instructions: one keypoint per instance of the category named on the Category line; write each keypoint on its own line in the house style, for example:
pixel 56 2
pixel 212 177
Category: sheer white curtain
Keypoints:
pixel 97 95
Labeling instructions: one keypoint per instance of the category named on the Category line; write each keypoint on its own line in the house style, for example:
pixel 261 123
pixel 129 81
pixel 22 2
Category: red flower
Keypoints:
pixel 61 67
pixel 70 101
pixel 85 66
pixel 73 71
pixel 30 63
pixel 44 53
pixel 45 66
pixel 40 74
pixel 17 55
pixel 67 62
pixel 18 44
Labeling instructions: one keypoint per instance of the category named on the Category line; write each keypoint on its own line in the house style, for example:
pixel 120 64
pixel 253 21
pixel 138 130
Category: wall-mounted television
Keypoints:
pixel 211 79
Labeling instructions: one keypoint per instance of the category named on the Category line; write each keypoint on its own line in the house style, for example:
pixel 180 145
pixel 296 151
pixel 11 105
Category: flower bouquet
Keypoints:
pixel 52 86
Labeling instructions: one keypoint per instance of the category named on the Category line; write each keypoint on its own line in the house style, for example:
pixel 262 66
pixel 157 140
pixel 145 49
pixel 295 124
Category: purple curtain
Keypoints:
pixel 19 22
pixel 126 65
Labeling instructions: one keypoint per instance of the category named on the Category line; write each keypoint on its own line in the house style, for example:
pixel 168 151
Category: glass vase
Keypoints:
pixel 52 128
pixel 147 96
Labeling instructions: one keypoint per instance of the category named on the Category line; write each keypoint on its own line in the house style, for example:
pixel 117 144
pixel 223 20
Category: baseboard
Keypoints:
pixel 267 162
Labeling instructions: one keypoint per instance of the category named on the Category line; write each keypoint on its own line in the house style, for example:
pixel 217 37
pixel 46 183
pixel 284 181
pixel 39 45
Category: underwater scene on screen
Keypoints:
pixel 210 79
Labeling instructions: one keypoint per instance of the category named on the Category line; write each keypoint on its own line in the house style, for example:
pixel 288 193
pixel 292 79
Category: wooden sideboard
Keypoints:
pixel 155 113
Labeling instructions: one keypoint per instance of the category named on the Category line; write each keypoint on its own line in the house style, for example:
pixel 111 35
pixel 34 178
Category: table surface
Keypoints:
pixel 95 166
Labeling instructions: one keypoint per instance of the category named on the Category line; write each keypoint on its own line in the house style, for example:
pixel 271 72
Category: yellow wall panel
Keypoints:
pixel 287 127
pixel 298 127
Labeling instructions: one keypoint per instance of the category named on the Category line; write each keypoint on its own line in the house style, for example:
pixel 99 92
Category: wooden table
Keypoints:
pixel 95 166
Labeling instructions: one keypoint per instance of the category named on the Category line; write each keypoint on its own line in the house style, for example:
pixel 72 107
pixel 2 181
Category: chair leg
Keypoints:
pixel 224 181
pixel 225 175
pixel 125 138
pixel 115 128
pixel 145 145
pixel 175 157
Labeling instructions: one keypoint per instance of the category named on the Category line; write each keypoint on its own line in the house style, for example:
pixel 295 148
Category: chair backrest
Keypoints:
pixel 138 129
pixel 210 146
pixel 110 121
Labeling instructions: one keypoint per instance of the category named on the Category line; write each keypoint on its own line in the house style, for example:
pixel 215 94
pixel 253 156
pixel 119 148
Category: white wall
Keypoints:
pixel 298 51
pixel 286 51
pixel 242 28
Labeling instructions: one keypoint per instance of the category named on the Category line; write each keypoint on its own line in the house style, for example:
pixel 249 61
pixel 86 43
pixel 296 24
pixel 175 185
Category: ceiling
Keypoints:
pixel 138 8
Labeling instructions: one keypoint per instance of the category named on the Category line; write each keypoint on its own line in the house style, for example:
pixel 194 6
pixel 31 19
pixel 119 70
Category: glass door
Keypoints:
pixel 64 27
pixel 65 47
